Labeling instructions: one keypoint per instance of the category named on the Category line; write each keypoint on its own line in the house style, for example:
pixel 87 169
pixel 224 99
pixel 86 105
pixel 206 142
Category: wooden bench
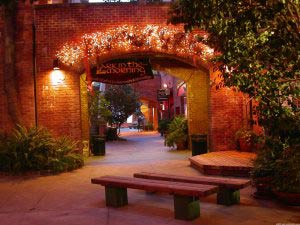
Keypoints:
pixel 186 196
pixel 229 189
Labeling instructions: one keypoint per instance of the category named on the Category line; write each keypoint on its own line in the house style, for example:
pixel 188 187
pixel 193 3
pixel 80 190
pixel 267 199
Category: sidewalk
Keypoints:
pixel 71 199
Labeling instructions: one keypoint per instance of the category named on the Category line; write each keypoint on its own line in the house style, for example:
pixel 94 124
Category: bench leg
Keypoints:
pixel 116 197
pixel 186 207
pixel 228 197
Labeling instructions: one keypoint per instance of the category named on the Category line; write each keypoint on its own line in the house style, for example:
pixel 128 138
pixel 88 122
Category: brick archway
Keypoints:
pixel 197 80
pixel 168 42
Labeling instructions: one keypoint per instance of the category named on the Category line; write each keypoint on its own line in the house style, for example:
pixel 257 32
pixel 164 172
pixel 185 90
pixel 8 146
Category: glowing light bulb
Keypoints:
pixel 57 77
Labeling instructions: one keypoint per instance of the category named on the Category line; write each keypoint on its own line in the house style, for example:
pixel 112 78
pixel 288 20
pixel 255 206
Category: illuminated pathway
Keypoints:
pixel 70 198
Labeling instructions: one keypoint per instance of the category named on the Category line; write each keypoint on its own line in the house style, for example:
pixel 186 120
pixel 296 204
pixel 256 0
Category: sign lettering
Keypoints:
pixel 123 71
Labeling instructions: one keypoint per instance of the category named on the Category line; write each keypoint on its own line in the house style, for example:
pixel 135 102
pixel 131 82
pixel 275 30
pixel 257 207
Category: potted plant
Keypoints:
pixel 245 139
pixel 177 133
pixel 163 127
pixel 148 126
pixel 98 116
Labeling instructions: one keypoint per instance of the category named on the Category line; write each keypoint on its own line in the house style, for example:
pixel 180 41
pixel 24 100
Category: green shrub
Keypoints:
pixel 149 126
pixel 279 159
pixel 177 131
pixel 35 149
pixel 287 167
pixel 163 126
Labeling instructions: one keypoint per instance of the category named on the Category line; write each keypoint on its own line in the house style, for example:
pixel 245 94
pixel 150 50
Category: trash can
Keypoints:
pixel 199 144
pixel 98 145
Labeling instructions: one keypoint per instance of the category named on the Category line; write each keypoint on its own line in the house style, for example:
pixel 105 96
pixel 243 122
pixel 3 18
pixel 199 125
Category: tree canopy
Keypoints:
pixel 123 102
pixel 98 108
pixel 258 48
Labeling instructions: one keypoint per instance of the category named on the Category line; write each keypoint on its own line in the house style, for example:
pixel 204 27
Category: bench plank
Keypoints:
pixel 170 187
pixel 228 193
pixel 234 184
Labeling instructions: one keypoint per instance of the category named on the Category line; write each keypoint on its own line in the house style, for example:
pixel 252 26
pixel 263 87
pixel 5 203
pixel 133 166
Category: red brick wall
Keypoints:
pixel 59 105
pixel 226 108
pixel 4 119
pixel 23 68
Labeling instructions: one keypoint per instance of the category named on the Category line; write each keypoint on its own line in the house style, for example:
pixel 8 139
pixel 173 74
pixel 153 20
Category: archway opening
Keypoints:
pixel 187 88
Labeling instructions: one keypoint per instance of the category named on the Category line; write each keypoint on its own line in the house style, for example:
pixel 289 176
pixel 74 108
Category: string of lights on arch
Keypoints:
pixel 129 39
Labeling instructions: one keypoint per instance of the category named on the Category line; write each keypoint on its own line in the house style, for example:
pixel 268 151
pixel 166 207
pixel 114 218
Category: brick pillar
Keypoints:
pixel 155 119
pixel 85 127
pixel 197 101
pixel 197 97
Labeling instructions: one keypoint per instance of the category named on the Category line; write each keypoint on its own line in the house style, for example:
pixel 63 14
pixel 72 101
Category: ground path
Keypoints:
pixel 70 199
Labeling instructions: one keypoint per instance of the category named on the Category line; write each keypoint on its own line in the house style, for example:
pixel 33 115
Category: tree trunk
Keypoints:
pixel 10 81
pixel 119 128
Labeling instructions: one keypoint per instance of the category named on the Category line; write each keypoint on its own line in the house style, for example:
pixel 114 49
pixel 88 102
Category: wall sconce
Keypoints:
pixel 57 76
pixel 55 64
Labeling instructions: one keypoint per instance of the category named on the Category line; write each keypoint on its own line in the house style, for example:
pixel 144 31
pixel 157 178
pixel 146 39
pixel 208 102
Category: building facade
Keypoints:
pixel 44 29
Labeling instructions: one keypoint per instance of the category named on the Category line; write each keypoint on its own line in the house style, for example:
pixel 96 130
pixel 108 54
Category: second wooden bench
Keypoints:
pixel 229 189
pixel 186 196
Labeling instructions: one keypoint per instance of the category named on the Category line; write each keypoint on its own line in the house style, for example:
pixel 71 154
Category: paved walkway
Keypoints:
pixel 70 199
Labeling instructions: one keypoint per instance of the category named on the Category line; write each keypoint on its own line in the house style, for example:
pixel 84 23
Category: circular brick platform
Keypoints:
pixel 225 163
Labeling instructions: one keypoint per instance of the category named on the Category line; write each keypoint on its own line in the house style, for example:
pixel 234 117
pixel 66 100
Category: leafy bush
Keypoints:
pixel 163 126
pixel 177 131
pixel 247 134
pixel 279 159
pixel 35 149
pixel 149 126
pixel 265 160
pixel 287 176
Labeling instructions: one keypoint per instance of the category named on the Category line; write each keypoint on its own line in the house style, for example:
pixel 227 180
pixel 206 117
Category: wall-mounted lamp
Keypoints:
pixel 57 76
pixel 55 64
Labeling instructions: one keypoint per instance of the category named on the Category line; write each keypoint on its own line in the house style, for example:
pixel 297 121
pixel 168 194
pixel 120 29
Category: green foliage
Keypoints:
pixel 148 126
pixel 279 159
pixel 98 108
pixel 177 131
pixel 34 149
pixel 123 102
pixel 265 160
pixel 259 42
pixel 287 176
pixel 247 134
pixel 258 46
pixel 163 126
